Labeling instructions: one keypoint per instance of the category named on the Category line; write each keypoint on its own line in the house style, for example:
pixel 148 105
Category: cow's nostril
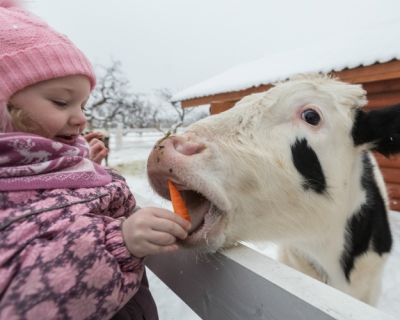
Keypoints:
pixel 188 148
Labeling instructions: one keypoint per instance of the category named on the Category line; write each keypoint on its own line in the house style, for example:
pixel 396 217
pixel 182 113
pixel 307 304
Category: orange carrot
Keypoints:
pixel 177 202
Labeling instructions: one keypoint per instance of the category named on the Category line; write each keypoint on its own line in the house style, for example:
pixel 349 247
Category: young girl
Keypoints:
pixel 70 247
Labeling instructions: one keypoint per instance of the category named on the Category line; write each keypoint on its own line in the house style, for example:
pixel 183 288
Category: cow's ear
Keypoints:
pixel 380 128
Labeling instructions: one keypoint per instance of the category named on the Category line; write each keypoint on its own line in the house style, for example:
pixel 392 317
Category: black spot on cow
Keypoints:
pixel 381 127
pixel 307 164
pixel 369 227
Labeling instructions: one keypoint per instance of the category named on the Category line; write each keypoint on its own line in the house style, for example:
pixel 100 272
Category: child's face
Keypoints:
pixel 57 105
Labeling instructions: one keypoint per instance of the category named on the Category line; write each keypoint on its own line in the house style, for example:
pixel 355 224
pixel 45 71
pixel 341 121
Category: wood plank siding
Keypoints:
pixel 382 83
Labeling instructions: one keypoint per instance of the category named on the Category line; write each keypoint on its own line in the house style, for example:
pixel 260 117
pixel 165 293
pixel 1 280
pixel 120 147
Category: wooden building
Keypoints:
pixel 370 58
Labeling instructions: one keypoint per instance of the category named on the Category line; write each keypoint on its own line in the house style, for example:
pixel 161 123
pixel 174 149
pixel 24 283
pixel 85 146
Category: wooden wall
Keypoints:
pixel 221 106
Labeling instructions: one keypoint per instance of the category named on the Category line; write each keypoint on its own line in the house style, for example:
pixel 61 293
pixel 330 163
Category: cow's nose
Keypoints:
pixel 186 145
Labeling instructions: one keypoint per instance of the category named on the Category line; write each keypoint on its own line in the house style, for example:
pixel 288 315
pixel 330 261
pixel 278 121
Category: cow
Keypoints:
pixel 292 165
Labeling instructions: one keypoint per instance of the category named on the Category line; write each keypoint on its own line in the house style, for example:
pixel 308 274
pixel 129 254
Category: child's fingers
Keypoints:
pixel 146 248
pixel 167 249
pixel 156 249
pixel 93 135
pixel 98 150
pixel 160 238
pixel 153 230
pixel 169 227
pixel 96 142
pixel 100 156
pixel 169 215
pixel 168 222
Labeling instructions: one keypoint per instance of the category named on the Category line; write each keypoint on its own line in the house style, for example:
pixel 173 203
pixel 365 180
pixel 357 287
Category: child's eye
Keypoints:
pixel 59 103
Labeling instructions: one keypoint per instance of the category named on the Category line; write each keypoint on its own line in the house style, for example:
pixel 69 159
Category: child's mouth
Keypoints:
pixel 67 139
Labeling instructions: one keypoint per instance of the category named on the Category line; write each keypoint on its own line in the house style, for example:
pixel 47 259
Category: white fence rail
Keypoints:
pixel 134 130
pixel 241 283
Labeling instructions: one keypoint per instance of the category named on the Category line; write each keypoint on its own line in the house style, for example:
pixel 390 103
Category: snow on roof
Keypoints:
pixel 363 48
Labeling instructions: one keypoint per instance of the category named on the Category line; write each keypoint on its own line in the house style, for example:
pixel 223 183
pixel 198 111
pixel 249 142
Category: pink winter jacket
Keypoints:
pixel 62 254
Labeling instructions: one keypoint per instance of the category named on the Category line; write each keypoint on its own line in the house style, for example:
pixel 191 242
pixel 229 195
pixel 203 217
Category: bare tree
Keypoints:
pixel 137 112
pixel 109 98
pixel 112 103
pixel 165 95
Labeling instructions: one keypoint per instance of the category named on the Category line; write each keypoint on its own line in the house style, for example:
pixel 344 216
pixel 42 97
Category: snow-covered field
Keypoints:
pixel 130 159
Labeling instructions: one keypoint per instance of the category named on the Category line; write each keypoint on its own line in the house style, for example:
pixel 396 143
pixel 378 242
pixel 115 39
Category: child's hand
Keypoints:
pixel 98 151
pixel 153 230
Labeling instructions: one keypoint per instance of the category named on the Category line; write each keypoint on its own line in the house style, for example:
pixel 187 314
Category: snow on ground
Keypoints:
pixel 130 159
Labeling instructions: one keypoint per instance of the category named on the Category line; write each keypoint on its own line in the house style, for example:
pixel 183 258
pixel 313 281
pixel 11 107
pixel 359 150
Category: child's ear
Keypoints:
pixel 380 128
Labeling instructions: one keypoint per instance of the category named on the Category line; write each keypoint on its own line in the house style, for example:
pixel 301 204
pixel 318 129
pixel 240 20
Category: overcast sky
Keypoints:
pixel 179 43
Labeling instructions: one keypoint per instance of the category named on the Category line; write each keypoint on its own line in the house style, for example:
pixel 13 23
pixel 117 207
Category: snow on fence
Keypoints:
pixel 240 283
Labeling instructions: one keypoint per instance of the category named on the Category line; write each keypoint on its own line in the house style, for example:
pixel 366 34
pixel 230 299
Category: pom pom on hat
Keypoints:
pixel 31 51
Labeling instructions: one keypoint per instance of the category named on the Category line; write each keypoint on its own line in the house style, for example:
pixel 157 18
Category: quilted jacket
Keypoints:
pixel 62 254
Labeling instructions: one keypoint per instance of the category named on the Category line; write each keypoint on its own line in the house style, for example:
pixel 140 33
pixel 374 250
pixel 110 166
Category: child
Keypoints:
pixel 70 247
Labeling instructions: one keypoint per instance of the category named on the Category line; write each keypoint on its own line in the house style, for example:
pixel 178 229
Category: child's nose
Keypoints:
pixel 78 118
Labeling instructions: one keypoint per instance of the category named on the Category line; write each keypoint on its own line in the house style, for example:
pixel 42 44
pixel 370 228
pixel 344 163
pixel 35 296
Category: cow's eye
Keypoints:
pixel 311 116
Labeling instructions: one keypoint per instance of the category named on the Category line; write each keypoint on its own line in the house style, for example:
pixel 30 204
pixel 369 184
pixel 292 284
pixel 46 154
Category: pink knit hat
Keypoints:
pixel 31 51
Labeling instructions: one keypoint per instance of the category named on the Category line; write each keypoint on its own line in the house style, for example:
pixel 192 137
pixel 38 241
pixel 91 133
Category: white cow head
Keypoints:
pixel 284 165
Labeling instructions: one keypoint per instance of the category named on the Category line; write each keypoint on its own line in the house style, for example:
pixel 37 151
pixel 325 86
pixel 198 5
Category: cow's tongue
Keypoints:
pixel 197 206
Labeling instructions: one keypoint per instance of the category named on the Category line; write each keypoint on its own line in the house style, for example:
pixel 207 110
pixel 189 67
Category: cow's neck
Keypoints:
pixel 361 227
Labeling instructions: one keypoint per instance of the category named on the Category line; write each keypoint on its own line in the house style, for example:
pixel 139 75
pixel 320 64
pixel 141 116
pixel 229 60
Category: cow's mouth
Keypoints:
pixel 204 216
